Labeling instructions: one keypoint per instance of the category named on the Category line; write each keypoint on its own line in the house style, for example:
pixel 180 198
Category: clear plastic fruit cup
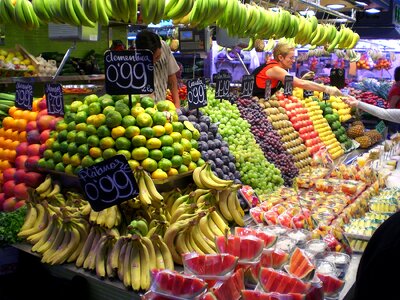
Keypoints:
pixel 340 260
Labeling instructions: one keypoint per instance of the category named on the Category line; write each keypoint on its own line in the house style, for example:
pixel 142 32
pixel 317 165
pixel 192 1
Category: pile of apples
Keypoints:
pixel 301 121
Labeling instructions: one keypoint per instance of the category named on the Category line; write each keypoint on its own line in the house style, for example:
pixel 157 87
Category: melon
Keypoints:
pixel 258 295
pixel 274 258
pixel 278 281
pixel 300 265
pixel 230 289
pixel 331 284
pixel 268 238
pixel 247 248
pixel 209 266
pixel 209 296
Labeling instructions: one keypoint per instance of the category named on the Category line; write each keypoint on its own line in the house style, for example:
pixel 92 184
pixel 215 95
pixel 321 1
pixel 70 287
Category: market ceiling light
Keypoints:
pixel 275 9
pixel 340 20
pixel 373 11
pixel 361 3
pixel 335 6
pixel 307 13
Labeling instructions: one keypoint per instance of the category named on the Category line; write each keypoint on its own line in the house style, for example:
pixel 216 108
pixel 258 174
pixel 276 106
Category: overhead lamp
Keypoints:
pixel 275 9
pixel 372 11
pixel 340 20
pixel 361 3
pixel 335 6
pixel 308 13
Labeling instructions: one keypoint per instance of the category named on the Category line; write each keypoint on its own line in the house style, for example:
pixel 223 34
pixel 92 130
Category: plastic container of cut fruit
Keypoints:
pixel 176 286
pixel 277 229
pixel 340 260
pixel 285 243
pixel 301 236
pixel 247 248
pixel 316 247
pixel 219 266
pixel 328 274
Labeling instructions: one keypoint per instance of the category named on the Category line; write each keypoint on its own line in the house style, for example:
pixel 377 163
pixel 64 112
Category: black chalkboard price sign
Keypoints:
pixel 222 85
pixel 24 95
pixel 247 86
pixel 197 93
pixel 308 93
pixel 108 183
pixel 267 93
pixel 325 96
pixel 129 72
pixel 288 85
pixel 54 99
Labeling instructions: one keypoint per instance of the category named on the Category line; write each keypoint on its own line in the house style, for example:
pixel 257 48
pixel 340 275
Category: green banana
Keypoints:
pixel 81 14
pixel 103 16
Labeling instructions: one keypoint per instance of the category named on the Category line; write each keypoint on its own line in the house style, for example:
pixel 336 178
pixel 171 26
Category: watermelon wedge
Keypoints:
pixel 209 296
pixel 209 266
pixel 268 238
pixel 274 258
pixel 331 284
pixel 247 248
pixel 230 288
pixel 300 265
pixel 271 281
pixel 166 282
pixel 257 295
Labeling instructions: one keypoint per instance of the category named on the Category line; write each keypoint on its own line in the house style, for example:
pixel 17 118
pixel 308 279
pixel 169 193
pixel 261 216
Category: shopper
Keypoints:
pixel 276 70
pixel 394 92
pixel 376 274
pixel 165 65
pixel 391 114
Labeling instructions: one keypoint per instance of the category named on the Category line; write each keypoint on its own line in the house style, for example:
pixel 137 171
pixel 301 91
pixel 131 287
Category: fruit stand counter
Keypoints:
pixel 79 78
pixel 346 293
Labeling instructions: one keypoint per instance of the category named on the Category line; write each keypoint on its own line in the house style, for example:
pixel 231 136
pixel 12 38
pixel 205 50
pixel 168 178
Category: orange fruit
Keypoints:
pixel 15 135
pixel 2 139
pixel 20 124
pixel 32 116
pixel 22 136
pixel 8 134
pixel 35 104
pixel 8 123
pixel 2 154
pixel 14 145
pixel 18 114
pixel 11 155
pixel 2 131
pixel 12 110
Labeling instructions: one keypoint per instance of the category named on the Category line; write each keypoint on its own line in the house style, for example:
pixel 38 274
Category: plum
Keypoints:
pixel 211 145
pixel 213 128
pixel 182 118
pixel 218 152
pixel 203 127
pixel 203 146
pixel 192 118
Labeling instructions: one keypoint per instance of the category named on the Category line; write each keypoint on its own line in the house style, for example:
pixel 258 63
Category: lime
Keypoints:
pixel 194 143
pixel 158 130
pixel 61 125
pixel 103 131
pixel 167 152
pixel 153 143
pixel 81 126
pixel 200 162
pixel 149 164
pixel 128 121
pixel 139 141
pixel 163 105
pixel 93 141
pixel 71 126
pixel 178 148
pixel 55 146
pixel 196 134
pixel 140 153
pixel 186 158
pixel 125 153
pixel 156 154
pixel 69 117
pixel 48 153
pixel 168 128
pixel 176 161
pixel 122 143
pixel 159 118
pixel 69 169
pixel 77 170
pixel 159 174
pixel 132 131
pixel 72 148
pixel 117 132
pixel 183 169
pixel 107 142
pixel 57 157
pixel 107 109
pixel 64 147
pixel 166 140
pixel 147 132
pixel 151 111
pixel 75 105
pixel 98 160
pixel 113 119
pixel 87 161
pixel 187 145
pixel 81 137
pixel 42 163
pixel 96 120
pixel 81 117
pixel 84 107
pixel 108 153
pixel 94 108
pixel 133 164
pixel 144 120
pixel 92 98
pixel 62 135
pixel 192 166
pixel 176 137
pixel 177 126
pixel 65 158
pixel 83 150
pixel 146 102
pixel 59 167
pixel 122 108
pixel 95 152
pixel 71 136
pixel 187 134
pixel 137 110
pixel 106 100
pixel 75 160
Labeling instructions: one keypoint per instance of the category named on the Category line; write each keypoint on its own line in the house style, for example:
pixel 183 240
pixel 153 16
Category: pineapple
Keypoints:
pixel 364 141
pixel 355 131
pixel 374 135
pixel 259 45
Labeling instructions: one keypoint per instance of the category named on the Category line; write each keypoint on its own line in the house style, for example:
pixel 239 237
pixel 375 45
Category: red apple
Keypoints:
pixel 8 174
pixel 9 204
pixel 19 176
pixel 8 188
pixel 42 105
pixel 31 162
pixel 33 150
pixel 22 148
pixel 44 136
pixel 19 204
pixel 33 179
pixel 20 161
pixel 44 122
pixel 21 191
pixel 32 125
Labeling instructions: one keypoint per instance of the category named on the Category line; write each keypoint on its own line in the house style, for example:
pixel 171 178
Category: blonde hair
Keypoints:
pixel 283 49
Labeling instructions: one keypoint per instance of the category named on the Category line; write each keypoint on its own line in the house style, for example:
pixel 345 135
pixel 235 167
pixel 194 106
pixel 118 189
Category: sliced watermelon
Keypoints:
pixel 268 238
pixel 209 265
pixel 230 288
pixel 271 281
pixel 243 231
pixel 258 295
pixel 209 296
pixel 247 248
pixel 331 284
pixel 300 265
pixel 166 282
pixel 274 258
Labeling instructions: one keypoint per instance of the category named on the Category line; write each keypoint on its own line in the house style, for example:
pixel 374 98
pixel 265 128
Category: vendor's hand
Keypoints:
pixel 351 101
pixel 333 90
pixel 308 76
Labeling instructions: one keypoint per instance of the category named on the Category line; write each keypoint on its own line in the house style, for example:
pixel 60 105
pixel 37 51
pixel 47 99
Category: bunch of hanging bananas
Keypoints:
pixel 19 12
pixel 110 217
pixel 123 10
pixel 205 178
pixel 148 194
pixel 57 234
pixel 205 12
pixel 353 56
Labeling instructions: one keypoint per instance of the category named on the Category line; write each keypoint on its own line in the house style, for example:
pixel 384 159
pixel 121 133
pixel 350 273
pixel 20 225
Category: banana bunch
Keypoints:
pixel 19 12
pixel 269 45
pixel 307 27
pixel 207 12
pixel 347 39
pixel 48 189
pixel 375 54
pixel 139 226
pixel 152 11
pixel 234 10
pixel 109 218
pixel 318 52
pixel 133 256
pixel 178 10
pixel 6 101
pixel 229 205
pixel 205 178
pixel 148 194
pixel 122 10
pixel 340 53
pixel 353 56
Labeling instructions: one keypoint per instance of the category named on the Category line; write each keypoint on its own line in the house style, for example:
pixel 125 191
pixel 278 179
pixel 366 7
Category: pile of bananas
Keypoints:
pixel 6 101
pixel 21 13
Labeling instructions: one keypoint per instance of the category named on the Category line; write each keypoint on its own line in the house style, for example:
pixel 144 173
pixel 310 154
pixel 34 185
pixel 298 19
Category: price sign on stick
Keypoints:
pixel 247 86
pixel 267 93
pixel 325 96
pixel 288 86
pixel 222 85
pixel 24 95
pixel 197 93
pixel 108 183
pixel 307 93
pixel 54 99
pixel 129 72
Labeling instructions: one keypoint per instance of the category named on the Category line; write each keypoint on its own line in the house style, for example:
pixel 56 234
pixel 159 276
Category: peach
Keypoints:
pixel 44 122
pixel 42 105
pixel 33 150
pixel 32 125
pixel 33 137
pixel 31 162
pixel 19 176
pixel 20 161
pixel 8 174
pixel 22 148
pixel 8 188
pixel 44 136
pixel 21 191
pixel 9 204
pixel 19 204
pixel 33 179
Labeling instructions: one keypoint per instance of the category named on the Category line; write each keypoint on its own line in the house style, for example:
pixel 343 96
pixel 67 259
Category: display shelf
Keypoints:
pixel 86 78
